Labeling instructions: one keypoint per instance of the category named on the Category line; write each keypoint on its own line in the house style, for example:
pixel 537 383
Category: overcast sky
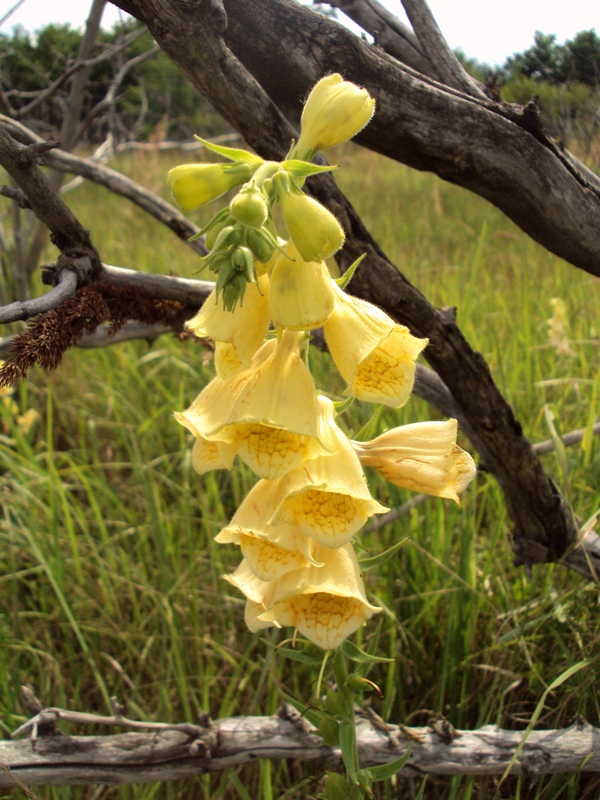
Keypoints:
pixel 486 31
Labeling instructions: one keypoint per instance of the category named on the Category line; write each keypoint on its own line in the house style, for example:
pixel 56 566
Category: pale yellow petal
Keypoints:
pixel 206 456
pixel 244 327
pixel 273 423
pixel 327 498
pixel 326 604
pixel 268 561
pixel 374 355
pixel 227 362
pixel 300 296
pixel 252 519
pixel 422 457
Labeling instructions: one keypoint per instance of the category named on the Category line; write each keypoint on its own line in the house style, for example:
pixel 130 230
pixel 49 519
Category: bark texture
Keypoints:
pixel 171 754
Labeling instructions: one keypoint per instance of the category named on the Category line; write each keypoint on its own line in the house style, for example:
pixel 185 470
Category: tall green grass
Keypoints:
pixel 110 581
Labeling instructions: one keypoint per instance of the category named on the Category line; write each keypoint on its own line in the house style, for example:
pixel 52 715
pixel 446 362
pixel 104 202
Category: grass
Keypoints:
pixel 110 582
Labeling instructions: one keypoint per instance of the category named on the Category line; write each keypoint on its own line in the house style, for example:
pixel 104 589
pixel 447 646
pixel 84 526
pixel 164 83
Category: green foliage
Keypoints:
pixel 154 92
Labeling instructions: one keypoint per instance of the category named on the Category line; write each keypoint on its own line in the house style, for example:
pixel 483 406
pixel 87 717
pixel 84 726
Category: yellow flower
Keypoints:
pixel 210 410
pixel 374 355
pixel 300 293
pixel 335 111
pixel 26 421
pixel 327 498
pixel 269 550
pixel 194 185
pixel 244 327
pixel 423 457
pixel 326 604
pixel 227 362
pixel 316 232
pixel 273 423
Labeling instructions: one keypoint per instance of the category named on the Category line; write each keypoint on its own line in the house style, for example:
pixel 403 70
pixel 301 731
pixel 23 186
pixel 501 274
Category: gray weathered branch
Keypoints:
pixel 497 150
pixel 114 181
pixel 170 753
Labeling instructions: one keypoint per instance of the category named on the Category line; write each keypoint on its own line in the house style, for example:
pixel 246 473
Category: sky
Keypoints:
pixel 485 31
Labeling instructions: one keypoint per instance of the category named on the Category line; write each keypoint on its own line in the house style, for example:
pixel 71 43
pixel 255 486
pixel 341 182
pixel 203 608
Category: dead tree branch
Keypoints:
pixel 497 150
pixel 116 182
pixel 181 751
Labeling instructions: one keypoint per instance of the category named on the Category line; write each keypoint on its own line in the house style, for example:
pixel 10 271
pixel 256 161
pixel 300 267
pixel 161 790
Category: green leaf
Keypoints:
pixel 538 710
pixel 348 748
pixel 378 560
pixel 354 653
pixel 233 153
pixel 311 714
pixel 303 169
pixel 299 655
pixel 345 279
pixel 385 771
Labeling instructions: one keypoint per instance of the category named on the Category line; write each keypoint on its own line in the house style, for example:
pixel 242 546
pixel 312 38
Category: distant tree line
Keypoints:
pixel 148 92
pixel 564 79
pixel 151 96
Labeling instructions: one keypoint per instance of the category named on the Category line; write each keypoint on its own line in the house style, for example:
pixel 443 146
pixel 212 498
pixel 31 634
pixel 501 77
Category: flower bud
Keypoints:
pixel 193 185
pixel 316 232
pixel 250 207
pixel 336 110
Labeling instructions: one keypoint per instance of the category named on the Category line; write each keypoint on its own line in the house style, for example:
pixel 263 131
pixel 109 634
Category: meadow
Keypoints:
pixel 111 583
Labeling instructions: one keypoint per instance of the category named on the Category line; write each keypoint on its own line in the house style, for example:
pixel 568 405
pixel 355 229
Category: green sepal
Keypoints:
pixel 310 714
pixel 300 655
pixel 329 730
pixel 348 748
pixel 381 558
pixel 385 771
pixel 343 405
pixel 334 704
pixel 221 216
pixel 232 153
pixel 304 169
pixel 368 429
pixel 345 279
pixel 338 788
pixel 354 653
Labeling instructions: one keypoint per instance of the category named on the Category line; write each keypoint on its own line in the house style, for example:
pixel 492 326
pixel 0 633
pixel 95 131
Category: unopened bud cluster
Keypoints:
pixel 295 527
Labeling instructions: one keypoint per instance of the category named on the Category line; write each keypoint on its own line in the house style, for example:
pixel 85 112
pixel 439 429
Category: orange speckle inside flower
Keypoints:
pixel 268 561
pixel 325 619
pixel 385 376
pixel 329 517
pixel 270 452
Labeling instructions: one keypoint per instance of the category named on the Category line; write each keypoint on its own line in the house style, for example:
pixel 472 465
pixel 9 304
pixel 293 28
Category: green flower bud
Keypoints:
pixel 316 232
pixel 261 244
pixel 250 207
pixel 193 185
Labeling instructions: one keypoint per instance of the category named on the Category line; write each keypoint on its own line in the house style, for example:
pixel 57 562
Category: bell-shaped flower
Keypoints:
pixel 194 185
pixel 327 498
pixel 269 550
pixel 273 424
pixel 244 327
pixel 326 604
pixel 335 111
pixel 300 293
pixel 374 355
pixel 423 457
pixel 316 232
pixel 211 409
